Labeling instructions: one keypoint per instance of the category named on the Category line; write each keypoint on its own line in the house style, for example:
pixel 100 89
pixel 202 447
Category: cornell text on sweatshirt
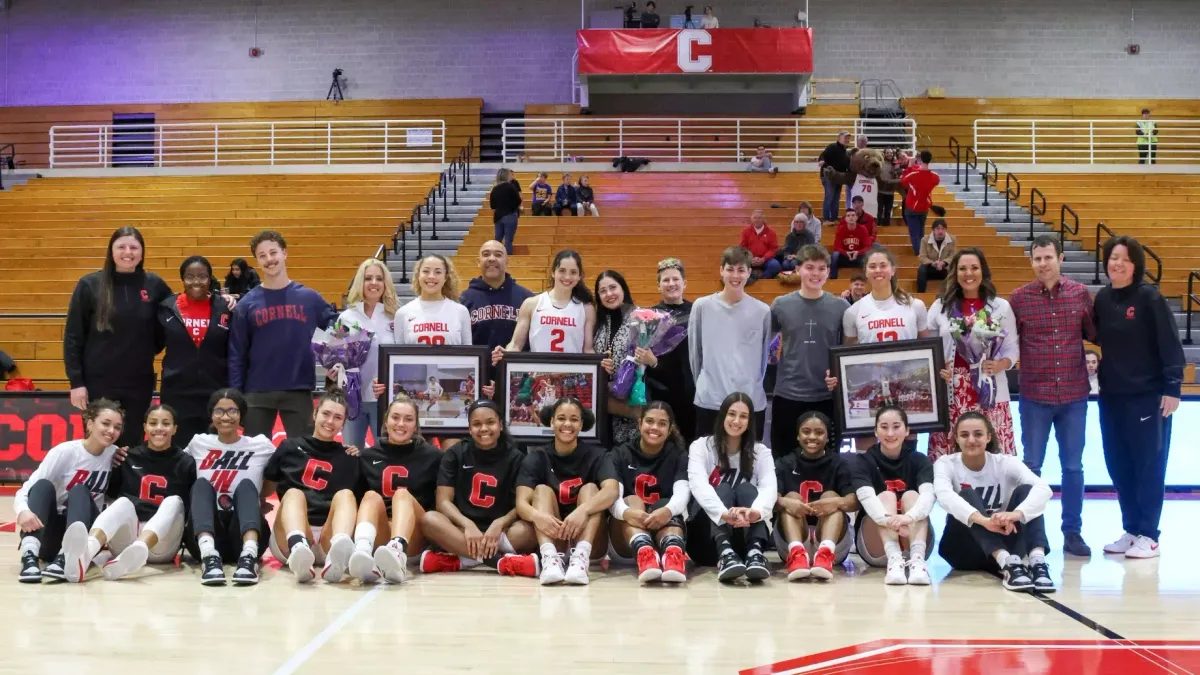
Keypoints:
pixel 270 344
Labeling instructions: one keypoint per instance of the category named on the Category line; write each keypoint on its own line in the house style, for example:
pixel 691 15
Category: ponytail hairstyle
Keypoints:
pixel 902 296
pixel 993 445
pixel 104 296
pixel 586 416
pixel 823 419
pixel 720 437
pixel 401 399
pixel 98 406
pixel 891 406
pixel 333 395
pixel 504 441
pixel 673 436
pixel 165 408
pixel 233 395
pixel 580 292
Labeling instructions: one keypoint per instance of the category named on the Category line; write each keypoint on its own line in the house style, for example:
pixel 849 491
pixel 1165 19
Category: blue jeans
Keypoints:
pixel 916 229
pixel 838 259
pixel 506 231
pixel 355 431
pixel 829 207
pixel 770 268
pixel 1070 427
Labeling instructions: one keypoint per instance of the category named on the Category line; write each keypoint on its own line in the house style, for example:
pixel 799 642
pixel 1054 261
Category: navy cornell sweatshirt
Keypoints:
pixel 1137 330
pixel 270 346
pixel 494 310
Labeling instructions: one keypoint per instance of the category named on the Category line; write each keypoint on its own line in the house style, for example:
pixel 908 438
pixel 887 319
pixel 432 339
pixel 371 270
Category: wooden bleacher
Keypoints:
pixel 55 231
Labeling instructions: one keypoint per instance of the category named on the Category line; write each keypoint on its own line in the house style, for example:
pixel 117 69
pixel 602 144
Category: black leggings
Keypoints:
pixel 742 538
pixel 228 523
pixel 43 503
pixel 971 548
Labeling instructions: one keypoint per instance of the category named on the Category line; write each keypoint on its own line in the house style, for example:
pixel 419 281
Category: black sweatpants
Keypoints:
pixel 785 414
pixel 226 522
pixel 706 421
pixel 134 400
pixel 295 407
pixel 1136 441
pixel 44 504
pixel 741 538
pixel 971 548
pixel 193 419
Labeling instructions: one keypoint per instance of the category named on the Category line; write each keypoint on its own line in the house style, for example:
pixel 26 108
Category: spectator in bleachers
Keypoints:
pixel 858 288
pixel 1138 392
pixel 650 16
pixel 543 195
pixel 493 298
pixel 887 200
pixel 761 162
pixel 669 377
pixel 1092 358
pixel 612 338
pixel 936 251
pixel 1147 132
pixel 505 201
pixel 919 180
pixel 850 242
pixel 759 239
pixel 860 142
pixel 709 20
pixel 566 198
pixel 834 155
pixel 241 278
pixel 805 230
pixel 112 332
pixel 587 197
pixel 865 219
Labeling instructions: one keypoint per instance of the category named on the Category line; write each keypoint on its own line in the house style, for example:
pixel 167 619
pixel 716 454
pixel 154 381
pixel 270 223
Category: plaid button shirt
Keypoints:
pixel 1051 324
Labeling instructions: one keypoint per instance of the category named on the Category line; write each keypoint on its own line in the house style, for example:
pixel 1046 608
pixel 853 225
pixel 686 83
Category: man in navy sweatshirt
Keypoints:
pixel 270 353
pixel 493 298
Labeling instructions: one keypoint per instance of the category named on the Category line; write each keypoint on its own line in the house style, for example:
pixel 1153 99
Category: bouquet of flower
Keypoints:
pixel 978 338
pixel 342 350
pixel 775 351
pixel 657 331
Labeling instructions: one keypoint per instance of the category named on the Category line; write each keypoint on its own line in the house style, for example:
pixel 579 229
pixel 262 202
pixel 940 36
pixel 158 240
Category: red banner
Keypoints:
pixel 695 51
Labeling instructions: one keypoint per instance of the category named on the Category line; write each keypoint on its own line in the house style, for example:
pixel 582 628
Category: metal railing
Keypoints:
pixel 1110 141
pixel 1034 209
pixel 1062 219
pixel 257 143
pixel 7 161
pixel 991 176
pixel 458 173
pixel 698 139
pixel 1188 308
pixel 1010 195
pixel 1155 278
pixel 970 163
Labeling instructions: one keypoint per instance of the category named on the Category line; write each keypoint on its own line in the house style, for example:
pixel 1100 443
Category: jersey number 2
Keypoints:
pixel 431 340
pixel 557 337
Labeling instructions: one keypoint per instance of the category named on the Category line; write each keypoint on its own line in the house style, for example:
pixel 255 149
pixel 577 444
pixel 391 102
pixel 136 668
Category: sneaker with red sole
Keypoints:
pixel 674 570
pixel 797 564
pixel 513 565
pixel 649 568
pixel 823 564
pixel 433 562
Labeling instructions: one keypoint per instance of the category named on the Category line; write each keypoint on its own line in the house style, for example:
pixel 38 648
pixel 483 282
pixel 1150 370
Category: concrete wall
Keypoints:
pixel 513 52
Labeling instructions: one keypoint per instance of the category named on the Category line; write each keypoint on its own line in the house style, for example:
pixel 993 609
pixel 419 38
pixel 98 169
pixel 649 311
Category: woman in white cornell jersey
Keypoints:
pixel 560 320
pixel 435 317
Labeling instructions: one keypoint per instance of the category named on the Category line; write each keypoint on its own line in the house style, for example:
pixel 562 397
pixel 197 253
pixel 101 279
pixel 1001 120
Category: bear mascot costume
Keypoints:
pixel 863 179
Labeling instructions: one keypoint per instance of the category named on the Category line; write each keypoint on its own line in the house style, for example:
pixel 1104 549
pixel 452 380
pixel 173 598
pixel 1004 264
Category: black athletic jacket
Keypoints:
pixel 122 357
pixel 186 368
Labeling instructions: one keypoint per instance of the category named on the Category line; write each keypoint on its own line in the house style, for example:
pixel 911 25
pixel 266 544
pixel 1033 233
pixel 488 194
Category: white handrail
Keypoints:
pixel 1091 141
pixel 694 139
pixel 254 143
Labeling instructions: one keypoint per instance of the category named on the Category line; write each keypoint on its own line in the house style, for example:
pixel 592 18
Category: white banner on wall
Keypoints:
pixel 420 138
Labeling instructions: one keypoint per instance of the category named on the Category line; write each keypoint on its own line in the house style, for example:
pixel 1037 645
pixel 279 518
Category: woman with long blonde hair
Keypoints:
pixel 371 303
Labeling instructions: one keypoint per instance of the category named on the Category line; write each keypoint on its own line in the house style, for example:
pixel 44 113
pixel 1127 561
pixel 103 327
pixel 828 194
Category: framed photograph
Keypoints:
pixel 443 380
pixel 528 381
pixel 905 373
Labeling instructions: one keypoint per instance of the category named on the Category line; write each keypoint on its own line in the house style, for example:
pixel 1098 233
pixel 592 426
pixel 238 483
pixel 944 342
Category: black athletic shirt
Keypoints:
pixel 414 467
pixel 484 481
pixel 651 479
pixel 147 477
pixel 589 463
pixel 907 472
pixel 320 469
pixel 809 477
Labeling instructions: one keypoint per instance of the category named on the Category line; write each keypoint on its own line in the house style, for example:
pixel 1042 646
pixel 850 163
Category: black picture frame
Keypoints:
pixel 520 417
pixel 445 416
pixel 858 367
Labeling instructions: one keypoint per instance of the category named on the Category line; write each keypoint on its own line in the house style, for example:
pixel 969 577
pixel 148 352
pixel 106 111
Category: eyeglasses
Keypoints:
pixel 197 280
pixel 226 412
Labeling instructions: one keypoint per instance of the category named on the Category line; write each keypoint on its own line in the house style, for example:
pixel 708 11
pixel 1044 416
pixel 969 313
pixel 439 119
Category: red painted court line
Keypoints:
pixel 10 526
pixel 9 490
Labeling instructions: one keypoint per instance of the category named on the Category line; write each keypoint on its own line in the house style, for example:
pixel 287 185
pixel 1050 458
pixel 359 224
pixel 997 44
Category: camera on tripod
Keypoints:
pixel 335 89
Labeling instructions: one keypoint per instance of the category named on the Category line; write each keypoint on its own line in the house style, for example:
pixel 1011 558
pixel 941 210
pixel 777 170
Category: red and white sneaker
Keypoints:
pixel 513 565
pixel 433 562
pixel 823 564
pixel 649 568
pixel 674 566
pixel 797 564
pixel 1143 547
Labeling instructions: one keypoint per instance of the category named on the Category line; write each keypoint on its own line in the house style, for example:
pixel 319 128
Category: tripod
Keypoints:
pixel 335 89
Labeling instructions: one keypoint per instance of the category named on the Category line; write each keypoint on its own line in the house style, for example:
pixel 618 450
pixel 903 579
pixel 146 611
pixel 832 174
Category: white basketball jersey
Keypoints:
pixel 868 189
pixel 888 321
pixel 556 330
pixel 442 322
pixel 227 465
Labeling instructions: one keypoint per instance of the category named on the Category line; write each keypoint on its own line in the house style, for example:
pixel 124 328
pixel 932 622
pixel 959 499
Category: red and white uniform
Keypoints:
pixel 872 321
pixel 441 322
pixel 868 189
pixel 554 329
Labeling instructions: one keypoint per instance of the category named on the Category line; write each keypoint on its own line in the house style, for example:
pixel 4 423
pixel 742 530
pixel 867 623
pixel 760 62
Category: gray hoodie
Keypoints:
pixel 728 347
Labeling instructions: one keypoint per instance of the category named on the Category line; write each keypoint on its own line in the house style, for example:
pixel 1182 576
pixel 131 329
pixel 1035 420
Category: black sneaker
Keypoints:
pixel 1017 578
pixel 54 569
pixel 756 566
pixel 1073 544
pixel 1041 578
pixel 730 566
pixel 246 573
pixel 31 571
pixel 214 571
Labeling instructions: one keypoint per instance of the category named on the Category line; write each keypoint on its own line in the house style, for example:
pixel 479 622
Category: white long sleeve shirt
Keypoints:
pixel 704 473
pixel 681 494
pixel 67 465
pixel 994 483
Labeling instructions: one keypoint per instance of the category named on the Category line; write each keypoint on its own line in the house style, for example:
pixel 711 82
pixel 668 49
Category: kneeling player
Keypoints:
pixel 653 498
pixel 476 520
pixel 563 491
pixel 315 477
pixel 816 496
pixel 400 474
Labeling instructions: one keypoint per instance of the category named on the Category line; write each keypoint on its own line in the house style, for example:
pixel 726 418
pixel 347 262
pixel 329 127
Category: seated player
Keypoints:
pixel 653 498
pixel 732 479
pixel 228 498
pixel 816 498
pixel 995 504
pixel 65 492
pixel 563 491
pixel 145 523
pixel 891 475
pixel 476 521
pixel 399 475
pixel 315 478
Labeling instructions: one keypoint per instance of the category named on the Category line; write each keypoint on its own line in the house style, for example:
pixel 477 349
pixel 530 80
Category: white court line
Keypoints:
pixel 321 638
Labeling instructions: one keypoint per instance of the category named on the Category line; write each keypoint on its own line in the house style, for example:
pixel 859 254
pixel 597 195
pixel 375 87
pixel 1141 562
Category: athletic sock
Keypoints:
pixel 585 547
pixel 1001 557
pixel 916 550
pixel 31 544
pixel 402 543
pixel 639 541
pixel 338 537
pixel 792 545
pixel 1013 560
pixel 669 541
pixel 548 550
pixel 828 544
pixel 1037 556
pixel 296 538
pixel 364 537
pixel 891 549
pixel 494 561
pixel 93 547
pixel 208 545
pixel 721 538
pixel 250 548
pixel 468 563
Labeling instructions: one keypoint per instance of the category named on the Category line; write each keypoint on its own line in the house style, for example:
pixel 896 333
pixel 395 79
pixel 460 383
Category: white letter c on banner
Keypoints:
pixel 688 63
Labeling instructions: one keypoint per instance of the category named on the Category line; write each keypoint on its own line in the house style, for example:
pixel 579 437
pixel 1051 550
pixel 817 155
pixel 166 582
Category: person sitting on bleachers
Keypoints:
pixel 650 16
pixel 567 198
pixel 849 244
pixel 761 162
pixel 805 230
pixel 936 252
pixel 858 288
pixel 865 219
pixel 542 195
pixel 587 198
pixel 760 240
pixel 241 278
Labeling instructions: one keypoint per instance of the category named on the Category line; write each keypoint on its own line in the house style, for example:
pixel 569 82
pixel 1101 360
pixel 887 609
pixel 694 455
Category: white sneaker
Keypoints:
pixel 895 572
pixel 1144 547
pixel 337 560
pixel 917 574
pixel 1121 545
pixel 392 563
pixel 129 562
pixel 362 567
pixel 552 570
pixel 300 562
pixel 577 570
pixel 74 550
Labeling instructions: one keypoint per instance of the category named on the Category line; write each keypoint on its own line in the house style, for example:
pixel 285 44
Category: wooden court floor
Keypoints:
pixel 1110 615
